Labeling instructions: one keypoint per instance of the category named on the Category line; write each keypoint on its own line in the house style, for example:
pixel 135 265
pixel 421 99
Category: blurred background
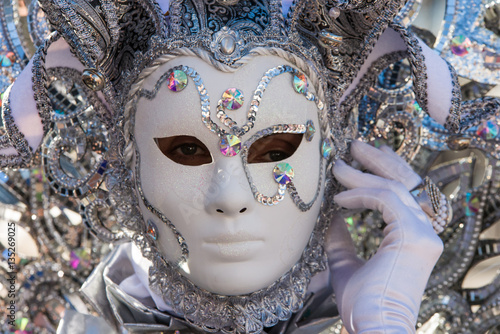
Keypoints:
pixel 56 246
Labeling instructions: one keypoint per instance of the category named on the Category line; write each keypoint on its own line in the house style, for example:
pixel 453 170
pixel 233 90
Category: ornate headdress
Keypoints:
pixel 85 104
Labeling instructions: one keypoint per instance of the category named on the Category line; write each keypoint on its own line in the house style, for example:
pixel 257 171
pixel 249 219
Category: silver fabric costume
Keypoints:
pixel 140 316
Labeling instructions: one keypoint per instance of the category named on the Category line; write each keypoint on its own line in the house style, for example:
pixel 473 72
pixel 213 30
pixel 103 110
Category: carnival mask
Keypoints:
pixel 240 190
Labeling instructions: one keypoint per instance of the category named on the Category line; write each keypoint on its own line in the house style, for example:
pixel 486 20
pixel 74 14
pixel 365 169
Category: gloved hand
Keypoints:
pixel 383 294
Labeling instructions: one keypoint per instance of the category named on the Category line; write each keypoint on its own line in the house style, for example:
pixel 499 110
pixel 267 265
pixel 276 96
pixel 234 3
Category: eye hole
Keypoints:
pixel 185 150
pixel 273 148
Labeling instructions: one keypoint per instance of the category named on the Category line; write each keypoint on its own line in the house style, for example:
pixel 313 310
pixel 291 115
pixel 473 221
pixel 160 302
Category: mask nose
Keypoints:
pixel 229 193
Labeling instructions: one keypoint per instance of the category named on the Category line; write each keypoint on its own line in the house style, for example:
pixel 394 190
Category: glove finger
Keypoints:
pixel 353 178
pixel 343 260
pixel 385 165
pixel 385 201
pixel 390 151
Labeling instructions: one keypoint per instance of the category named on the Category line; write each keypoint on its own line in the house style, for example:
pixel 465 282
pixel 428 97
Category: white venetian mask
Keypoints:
pixel 236 244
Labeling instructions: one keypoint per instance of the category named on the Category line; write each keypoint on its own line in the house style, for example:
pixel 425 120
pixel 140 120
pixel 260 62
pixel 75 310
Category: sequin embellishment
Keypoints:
pixel 177 81
pixel 232 98
pixel 230 145
pixel 300 83
pixel 283 173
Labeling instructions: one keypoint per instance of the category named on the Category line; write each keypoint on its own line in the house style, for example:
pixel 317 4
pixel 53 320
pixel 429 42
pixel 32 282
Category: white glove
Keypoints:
pixel 383 294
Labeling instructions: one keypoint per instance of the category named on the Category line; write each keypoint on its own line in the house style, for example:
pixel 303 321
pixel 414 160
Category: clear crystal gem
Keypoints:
pixel 458 143
pixel 152 230
pixel 300 83
pixel 487 130
pixel 230 145
pixel 283 173
pixel 232 98
pixel 93 79
pixel 177 81
pixel 310 130
pixel 460 45
pixel 326 148
pixel 7 58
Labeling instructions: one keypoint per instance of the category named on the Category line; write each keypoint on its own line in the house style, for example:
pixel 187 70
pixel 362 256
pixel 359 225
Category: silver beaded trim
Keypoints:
pixel 453 120
pixel 13 138
pixel 366 82
pixel 204 97
pixel 40 82
pixel 417 59
pixel 240 131
pixel 16 39
pixel 178 236
pixel 89 210
pixel 443 216
pixel 37 24
pixel 78 129
pixel 275 199
pixel 256 99
pixel 476 111
pixel 63 14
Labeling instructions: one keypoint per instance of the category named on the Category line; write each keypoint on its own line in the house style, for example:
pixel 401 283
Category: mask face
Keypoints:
pixel 236 244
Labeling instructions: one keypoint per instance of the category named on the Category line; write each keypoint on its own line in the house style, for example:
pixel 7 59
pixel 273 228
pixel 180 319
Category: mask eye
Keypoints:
pixel 276 147
pixel 185 150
